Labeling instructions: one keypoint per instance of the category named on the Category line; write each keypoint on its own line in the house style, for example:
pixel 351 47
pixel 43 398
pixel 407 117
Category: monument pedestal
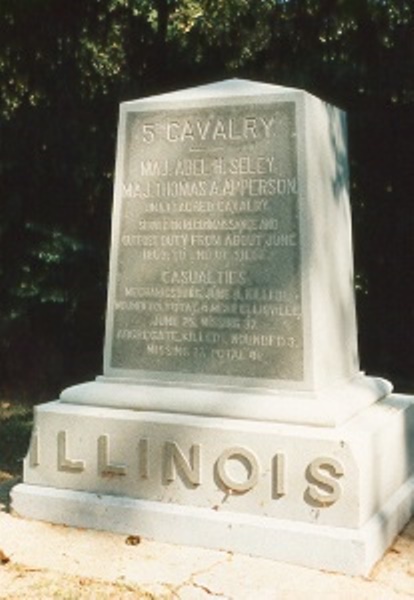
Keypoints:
pixel 329 498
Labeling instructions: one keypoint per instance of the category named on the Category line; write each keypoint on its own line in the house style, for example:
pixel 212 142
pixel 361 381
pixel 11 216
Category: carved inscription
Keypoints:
pixel 323 474
pixel 176 461
pixel 105 467
pixel 208 276
pixel 34 452
pixel 249 462
pixel 237 470
pixel 65 463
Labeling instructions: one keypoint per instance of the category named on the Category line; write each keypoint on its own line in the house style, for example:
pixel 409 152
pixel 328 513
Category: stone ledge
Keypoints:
pixel 326 408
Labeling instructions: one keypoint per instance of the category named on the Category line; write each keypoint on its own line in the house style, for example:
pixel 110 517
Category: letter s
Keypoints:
pixel 323 474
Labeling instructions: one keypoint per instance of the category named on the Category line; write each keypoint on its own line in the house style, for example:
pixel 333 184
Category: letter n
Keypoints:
pixel 175 463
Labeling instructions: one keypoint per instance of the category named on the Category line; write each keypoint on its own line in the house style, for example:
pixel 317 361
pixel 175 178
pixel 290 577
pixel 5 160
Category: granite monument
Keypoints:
pixel 231 405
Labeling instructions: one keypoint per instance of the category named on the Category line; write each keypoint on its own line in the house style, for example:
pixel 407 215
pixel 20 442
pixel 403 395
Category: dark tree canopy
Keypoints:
pixel 65 67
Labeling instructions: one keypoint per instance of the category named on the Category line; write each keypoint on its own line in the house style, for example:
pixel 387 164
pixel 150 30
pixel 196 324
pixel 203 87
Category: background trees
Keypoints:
pixel 64 67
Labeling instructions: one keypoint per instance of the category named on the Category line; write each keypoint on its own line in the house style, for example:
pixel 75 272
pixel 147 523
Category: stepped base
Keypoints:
pixel 328 498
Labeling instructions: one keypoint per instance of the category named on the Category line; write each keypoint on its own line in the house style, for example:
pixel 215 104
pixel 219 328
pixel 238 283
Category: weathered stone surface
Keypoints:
pixel 231 249
pixel 208 274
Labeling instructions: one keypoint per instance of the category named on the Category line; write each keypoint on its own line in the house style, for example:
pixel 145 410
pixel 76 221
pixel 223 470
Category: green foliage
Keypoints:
pixel 15 428
pixel 64 67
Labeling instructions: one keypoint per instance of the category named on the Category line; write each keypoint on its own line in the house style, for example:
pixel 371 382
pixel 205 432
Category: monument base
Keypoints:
pixel 327 498
pixel 352 552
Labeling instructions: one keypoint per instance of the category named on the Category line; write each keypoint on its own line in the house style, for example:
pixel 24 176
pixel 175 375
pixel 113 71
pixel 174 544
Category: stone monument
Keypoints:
pixel 231 412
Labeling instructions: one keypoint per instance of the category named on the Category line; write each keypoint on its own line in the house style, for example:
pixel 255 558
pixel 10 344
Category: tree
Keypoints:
pixel 66 65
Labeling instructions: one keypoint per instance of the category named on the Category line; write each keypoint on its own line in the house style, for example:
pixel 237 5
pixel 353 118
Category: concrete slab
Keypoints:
pixel 51 553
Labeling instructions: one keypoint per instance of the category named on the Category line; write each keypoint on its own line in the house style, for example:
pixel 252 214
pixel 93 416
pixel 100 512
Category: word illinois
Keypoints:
pixel 321 476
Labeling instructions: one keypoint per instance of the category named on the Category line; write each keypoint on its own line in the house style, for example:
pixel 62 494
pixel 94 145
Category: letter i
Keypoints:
pixel 143 458
pixel 279 476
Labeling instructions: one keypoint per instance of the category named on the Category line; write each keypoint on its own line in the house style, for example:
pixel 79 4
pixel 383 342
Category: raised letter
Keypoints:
pixel 64 463
pixel 326 490
pixel 34 456
pixel 148 133
pixel 143 462
pixel 250 462
pixel 170 136
pixel 279 479
pixel 175 462
pixel 267 124
pixel 105 468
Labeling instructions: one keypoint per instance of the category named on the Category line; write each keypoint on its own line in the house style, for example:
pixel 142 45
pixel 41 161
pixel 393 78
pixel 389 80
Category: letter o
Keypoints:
pixel 253 468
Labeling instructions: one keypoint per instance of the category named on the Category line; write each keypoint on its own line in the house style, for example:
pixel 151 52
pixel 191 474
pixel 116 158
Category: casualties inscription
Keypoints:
pixel 208 260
